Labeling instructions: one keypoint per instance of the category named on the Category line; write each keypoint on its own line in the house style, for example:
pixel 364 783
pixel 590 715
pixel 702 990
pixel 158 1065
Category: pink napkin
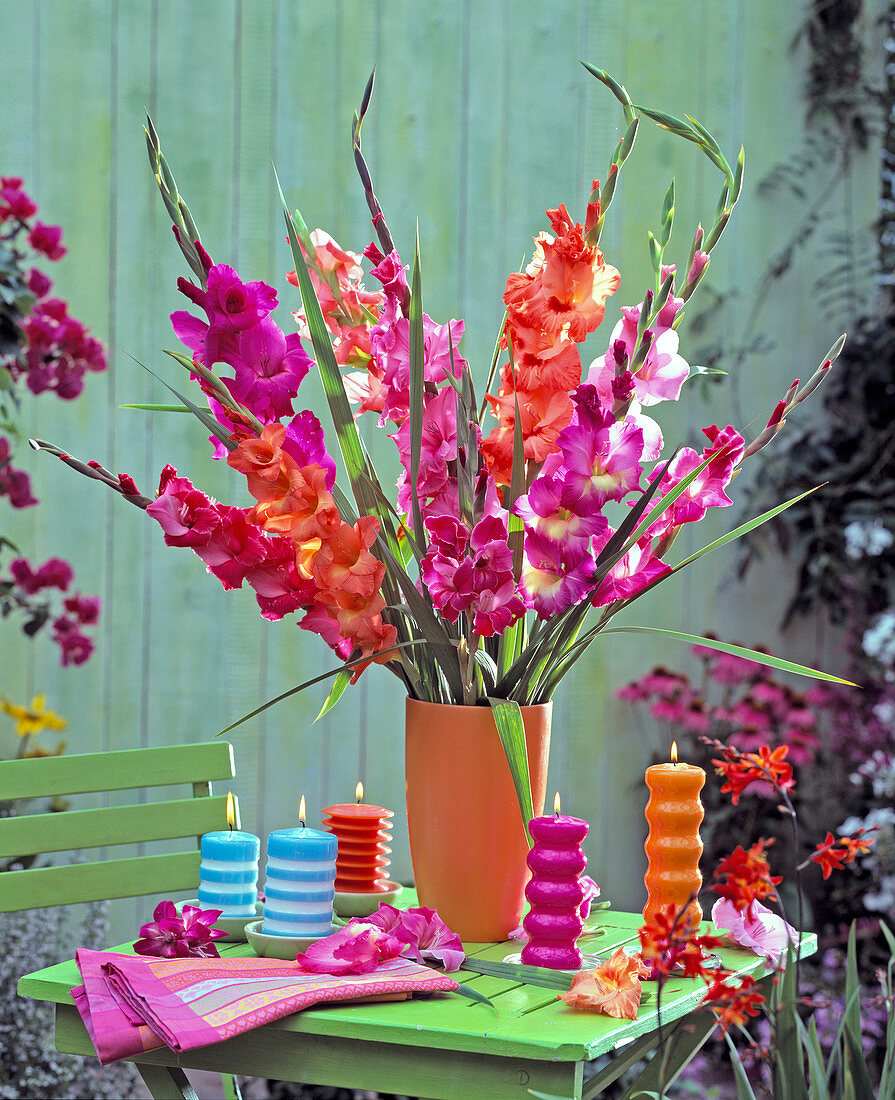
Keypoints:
pixel 133 1003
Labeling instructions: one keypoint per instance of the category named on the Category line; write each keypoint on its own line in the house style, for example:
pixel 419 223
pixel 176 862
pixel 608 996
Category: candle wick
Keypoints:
pixel 301 822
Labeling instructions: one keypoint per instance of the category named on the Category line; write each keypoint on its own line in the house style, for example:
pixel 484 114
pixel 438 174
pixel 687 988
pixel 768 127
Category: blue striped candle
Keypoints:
pixel 299 885
pixel 228 873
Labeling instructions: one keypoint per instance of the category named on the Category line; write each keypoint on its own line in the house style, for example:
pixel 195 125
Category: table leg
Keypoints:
pixel 167 1083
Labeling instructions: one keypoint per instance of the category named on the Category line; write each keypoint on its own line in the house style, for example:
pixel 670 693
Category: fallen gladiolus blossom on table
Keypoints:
pixel 180 935
pixel 357 949
pixel 423 934
pixel 758 928
pixel 613 989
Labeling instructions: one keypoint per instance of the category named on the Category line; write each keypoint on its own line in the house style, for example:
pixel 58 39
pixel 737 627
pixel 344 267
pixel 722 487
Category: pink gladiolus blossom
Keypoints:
pixel 756 928
pixel 553 509
pixel 354 949
pixel 636 570
pixel 663 372
pixel 555 575
pixel 231 306
pixel 180 935
pixel 390 344
pixel 421 932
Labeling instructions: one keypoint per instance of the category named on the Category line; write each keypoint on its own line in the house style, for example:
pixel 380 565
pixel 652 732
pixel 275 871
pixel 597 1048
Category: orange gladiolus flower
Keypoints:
pixel 264 463
pixel 612 989
pixel 345 565
pixel 567 282
pixel 306 511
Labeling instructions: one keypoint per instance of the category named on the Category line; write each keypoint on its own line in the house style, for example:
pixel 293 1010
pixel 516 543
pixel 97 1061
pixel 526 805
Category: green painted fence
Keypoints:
pixel 481 119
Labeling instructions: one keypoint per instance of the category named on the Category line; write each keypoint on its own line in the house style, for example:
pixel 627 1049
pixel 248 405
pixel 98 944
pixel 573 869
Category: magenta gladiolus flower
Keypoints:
pixel 304 441
pixel 555 575
pixel 662 373
pixel 172 935
pixel 187 516
pixel 637 569
pixel 553 509
pixel 270 366
pixel 756 927
pixel 601 455
pixel 231 306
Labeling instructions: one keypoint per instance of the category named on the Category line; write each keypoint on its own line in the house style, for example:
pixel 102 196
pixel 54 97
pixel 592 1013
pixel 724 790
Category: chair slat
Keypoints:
pixel 116 771
pixel 160 875
pixel 63 832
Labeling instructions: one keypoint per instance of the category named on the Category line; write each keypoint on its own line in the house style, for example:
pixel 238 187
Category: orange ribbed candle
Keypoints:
pixel 674 814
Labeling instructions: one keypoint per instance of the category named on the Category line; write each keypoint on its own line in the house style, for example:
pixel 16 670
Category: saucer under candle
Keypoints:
pixel 347 904
pixel 281 947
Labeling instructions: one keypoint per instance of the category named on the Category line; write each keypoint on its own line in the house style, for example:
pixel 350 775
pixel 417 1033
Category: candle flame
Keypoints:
pixel 231 810
pixel 674 752
pixel 301 811
pixel 359 792
pixel 556 803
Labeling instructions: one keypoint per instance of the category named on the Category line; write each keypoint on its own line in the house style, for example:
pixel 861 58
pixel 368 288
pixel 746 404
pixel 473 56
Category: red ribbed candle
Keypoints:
pixel 674 813
pixel 555 892
pixel 362 860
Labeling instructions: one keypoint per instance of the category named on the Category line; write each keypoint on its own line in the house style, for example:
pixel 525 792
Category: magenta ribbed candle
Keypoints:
pixel 555 892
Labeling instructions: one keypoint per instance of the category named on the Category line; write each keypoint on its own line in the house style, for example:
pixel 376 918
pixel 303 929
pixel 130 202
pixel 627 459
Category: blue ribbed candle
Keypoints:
pixel 228 873
pixel 300 883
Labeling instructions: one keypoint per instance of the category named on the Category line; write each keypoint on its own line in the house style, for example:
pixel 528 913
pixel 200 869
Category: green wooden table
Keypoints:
pixel 443 1047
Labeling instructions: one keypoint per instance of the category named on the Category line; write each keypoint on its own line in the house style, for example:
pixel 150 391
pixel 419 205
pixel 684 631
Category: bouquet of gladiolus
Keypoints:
pixel 508 532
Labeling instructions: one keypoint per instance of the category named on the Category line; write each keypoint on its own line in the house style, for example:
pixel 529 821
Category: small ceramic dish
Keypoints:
pixel 362 905
pixel 233 926
pixel 280 947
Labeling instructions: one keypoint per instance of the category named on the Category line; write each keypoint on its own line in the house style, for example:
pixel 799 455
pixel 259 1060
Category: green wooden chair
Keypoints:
pixel 130 770
pixel 160 874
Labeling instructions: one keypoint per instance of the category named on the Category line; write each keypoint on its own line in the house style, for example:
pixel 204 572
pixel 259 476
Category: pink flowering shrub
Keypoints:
pixel 48 351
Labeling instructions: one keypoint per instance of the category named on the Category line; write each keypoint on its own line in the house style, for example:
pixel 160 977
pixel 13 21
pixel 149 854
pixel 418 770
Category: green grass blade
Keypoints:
pixel 735 651
pixel 217 430
pixel 474 995
pixel 744 1089
pixel 516 972
pixel 818 1089
pixel 158 408
pixel 308 683
pixel 331 376
pixel 743 529
pixel 417 386
pixel 335 692
pixel 508 719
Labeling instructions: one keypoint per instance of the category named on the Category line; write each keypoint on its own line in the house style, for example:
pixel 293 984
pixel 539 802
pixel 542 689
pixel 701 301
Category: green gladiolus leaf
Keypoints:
pixel 508 719
pixel 335 692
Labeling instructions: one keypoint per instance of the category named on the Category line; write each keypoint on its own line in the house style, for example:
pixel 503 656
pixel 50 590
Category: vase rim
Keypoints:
pixel 473 706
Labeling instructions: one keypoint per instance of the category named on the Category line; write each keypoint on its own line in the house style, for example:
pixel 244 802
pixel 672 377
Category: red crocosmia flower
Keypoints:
pixel 733 1004
pixel 180 935
pixel 745 875
pixel 833 854
pixel 743 768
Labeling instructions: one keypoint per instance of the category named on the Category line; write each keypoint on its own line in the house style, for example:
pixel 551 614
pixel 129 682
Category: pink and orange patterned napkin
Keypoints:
pixel 131 1004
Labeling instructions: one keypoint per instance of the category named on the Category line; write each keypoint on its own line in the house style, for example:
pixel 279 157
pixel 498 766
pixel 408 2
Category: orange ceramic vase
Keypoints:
pixel 467 839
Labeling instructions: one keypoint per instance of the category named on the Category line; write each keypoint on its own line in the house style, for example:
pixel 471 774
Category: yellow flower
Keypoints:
pixel 33 719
